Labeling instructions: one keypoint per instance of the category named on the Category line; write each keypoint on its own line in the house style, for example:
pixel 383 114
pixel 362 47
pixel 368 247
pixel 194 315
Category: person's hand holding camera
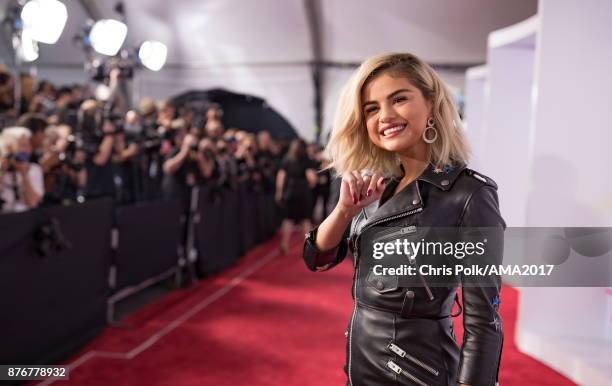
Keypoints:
pixel 188 142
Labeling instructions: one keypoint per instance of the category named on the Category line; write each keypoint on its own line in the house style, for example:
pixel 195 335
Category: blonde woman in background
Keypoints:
pixel 21 182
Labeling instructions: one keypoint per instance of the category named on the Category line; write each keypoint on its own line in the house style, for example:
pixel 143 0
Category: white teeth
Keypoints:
pixel 392 130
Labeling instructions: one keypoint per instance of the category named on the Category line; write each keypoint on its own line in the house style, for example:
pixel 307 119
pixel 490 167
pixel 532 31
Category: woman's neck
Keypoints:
pixel 414 163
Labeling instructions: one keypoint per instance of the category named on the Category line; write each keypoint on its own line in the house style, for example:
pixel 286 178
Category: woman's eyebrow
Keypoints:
pixel 394 93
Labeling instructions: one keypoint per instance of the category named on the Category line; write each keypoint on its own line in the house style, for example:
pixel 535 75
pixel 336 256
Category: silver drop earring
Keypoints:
pixel 430 126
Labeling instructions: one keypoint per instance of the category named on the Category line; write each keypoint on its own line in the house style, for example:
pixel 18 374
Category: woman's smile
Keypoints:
pixel 391 130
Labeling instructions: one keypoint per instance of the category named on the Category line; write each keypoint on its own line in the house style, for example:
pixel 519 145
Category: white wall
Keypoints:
pixel 555 141
pixel 508 117
pixel 476 96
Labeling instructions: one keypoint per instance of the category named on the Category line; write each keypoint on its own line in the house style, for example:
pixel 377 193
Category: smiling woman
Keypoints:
pixel 387 95
pixel 396 119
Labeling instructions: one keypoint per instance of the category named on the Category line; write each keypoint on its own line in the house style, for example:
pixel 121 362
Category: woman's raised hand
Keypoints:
pixel 358 190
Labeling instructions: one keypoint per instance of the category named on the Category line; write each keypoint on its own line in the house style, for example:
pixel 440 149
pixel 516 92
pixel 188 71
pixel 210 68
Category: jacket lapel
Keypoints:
pixel 409 198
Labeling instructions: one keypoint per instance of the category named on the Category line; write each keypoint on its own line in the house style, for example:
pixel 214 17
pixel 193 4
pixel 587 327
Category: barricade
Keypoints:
pixel 52 305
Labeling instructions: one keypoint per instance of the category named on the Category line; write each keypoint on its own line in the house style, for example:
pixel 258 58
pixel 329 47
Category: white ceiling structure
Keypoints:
pixel 267 47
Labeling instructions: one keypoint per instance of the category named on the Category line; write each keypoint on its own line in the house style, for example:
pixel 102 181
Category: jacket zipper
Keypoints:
pixel 417 210
pixel 350 334
pixel 398 370
pixel 403 354
pixel 355 247
pixel 404 231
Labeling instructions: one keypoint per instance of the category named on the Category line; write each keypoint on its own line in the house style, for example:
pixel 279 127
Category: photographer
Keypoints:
pixel 21 182
pixel 62 163
pixel 186 165
pixel 7 98
pixel 209 168
pixel 167 113
pixel 227 163
pixel 98 142
pixel 126 150
pixel 37 124
pixel 268 160
pixel 248 167
pixel 214 127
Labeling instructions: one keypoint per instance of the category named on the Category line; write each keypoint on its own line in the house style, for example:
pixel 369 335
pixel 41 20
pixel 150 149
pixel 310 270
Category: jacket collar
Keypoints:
pixel 409 198
pixel 442 178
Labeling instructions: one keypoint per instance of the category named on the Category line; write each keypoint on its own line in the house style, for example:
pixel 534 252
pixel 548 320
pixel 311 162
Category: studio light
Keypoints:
pixel 44 20
pixel 153 54
pixel 107 36
pixel 28 48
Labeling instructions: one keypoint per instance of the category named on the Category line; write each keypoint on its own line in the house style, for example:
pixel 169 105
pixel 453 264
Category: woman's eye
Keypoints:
pixel 399 99
pixel 370 110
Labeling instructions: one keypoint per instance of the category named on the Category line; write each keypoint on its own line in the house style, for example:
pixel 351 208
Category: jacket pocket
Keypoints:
pixel 415 361
pixel 383 283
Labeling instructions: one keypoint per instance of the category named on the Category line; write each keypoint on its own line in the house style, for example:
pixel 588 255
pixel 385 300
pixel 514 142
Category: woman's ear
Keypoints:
pixel 429 108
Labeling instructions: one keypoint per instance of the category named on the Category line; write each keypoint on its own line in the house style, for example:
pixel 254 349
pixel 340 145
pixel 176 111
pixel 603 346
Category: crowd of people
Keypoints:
pixel 60 146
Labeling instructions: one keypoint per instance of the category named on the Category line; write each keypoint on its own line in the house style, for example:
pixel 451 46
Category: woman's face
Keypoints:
pixel 23 145
pixel 395 113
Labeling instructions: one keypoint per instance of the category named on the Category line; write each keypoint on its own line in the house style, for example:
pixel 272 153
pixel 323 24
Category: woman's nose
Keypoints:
pixel 387 114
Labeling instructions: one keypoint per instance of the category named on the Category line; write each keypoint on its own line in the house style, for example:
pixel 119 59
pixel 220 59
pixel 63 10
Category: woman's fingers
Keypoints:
pixel 362 186
pixel 372 185
pixel 380 184
pixel 351 182
pixel 358 186
pixel 365 190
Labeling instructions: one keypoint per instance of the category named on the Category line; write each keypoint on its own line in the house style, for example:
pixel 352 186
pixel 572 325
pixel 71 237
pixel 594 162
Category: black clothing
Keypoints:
pixel 390 343
pixel 322 189
pixel 100 179
pixel 267 165
pixel 61 185
pixel 297 195
pixel 179 184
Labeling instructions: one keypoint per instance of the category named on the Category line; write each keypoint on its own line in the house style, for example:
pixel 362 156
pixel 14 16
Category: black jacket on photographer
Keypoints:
pixel 404 335
pixel 179 183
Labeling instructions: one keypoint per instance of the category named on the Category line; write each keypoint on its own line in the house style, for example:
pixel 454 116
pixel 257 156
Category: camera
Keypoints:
pixel 18 157
pixel 100 71
pixel 67 157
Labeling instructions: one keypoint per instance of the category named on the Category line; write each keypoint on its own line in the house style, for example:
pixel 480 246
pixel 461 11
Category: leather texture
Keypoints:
pixel 401 333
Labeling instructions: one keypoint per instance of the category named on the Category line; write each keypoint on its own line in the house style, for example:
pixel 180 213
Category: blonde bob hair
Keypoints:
pixel 350 148
pixel 10 137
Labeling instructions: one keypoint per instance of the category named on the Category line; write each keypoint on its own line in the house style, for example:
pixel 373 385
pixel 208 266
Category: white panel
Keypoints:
pixel 335 79
pixel 288 89
pixel 476 94
pixel 507 121
pixel 567 328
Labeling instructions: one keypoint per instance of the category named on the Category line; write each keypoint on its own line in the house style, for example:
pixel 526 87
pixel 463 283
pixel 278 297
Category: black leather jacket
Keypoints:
pixel 404 336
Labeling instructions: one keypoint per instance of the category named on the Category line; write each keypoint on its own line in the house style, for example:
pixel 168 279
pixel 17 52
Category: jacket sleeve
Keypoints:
pixel 317 260
pixel 482 324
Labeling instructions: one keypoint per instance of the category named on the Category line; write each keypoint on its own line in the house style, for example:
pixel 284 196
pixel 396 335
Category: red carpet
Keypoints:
pixel 265 321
